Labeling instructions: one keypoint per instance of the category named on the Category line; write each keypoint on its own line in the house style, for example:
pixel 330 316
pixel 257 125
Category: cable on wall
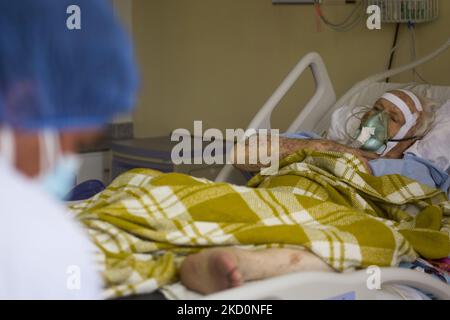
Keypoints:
pixel 394 48
pixel 348 23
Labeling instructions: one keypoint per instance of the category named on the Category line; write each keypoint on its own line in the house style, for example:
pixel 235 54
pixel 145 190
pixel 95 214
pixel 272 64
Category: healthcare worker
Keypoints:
pixel 66 68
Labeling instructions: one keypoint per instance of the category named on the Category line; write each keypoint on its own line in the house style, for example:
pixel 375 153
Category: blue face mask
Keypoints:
pixel 58 169
pixel 61 178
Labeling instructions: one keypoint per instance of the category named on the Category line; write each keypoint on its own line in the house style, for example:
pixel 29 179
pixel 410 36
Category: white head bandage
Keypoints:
pixel 414 98
pixel 410 118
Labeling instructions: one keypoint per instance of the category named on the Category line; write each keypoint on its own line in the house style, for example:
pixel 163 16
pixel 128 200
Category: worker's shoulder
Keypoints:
pixel 43 244
pixel 19 193
pixel 25 206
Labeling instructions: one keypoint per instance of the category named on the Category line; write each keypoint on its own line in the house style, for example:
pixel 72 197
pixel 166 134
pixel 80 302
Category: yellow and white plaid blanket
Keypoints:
pixel 146 222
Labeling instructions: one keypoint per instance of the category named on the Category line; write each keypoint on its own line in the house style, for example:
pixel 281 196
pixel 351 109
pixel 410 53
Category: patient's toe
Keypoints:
pixel 235 278
pixel 224 270
pixel 211 271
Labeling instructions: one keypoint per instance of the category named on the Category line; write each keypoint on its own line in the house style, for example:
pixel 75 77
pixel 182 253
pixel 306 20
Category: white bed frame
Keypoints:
pixel 358 285
pixel 316 115
pixel 333 286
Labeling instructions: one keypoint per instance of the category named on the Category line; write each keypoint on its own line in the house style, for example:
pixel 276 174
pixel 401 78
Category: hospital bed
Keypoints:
pixel 396 283
pixel 316 115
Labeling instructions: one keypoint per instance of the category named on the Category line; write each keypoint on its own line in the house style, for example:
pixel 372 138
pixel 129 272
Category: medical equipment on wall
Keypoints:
pixel 356 16
pixel 410 12
pixel 392 11
pixel 407 11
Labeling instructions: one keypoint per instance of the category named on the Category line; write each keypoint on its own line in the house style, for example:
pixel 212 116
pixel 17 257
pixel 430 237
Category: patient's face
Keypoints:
pixel 396 118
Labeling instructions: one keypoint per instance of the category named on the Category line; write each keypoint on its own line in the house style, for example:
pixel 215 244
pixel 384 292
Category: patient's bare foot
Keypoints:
pixel 214 270
pixel 211 270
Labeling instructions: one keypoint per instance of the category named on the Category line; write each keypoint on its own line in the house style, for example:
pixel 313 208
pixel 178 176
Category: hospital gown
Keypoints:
pixel 45 253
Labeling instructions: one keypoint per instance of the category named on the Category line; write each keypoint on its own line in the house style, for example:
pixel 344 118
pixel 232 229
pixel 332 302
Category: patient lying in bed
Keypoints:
pixel 322 211
pixel 406 117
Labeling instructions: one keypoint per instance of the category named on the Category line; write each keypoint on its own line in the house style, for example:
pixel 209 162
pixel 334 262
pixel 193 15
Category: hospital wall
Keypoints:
pixel 219 60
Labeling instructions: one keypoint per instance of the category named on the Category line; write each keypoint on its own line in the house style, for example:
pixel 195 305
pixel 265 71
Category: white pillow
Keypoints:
pixel 435 146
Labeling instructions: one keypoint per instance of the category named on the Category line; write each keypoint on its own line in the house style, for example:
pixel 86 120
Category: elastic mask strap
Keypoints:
pixel 50 150
pixel 400 136
pixel 406 139
pixel 7 147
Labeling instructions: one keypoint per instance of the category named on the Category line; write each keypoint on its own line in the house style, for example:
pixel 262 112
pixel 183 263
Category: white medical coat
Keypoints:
pixel 44 252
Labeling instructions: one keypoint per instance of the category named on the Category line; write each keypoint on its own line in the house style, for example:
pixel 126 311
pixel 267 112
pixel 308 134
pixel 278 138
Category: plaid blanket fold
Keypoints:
pixel 146 222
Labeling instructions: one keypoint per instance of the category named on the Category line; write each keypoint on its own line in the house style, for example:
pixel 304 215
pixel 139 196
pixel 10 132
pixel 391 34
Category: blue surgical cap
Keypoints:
pixel 55 76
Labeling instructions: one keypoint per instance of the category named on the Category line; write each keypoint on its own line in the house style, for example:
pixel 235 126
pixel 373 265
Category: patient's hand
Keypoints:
pixel 289 146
